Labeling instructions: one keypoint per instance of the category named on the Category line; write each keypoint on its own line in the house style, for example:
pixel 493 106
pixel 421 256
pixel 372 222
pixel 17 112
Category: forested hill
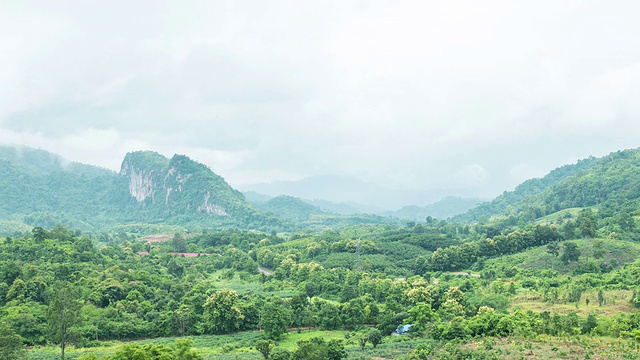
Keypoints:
pixel 291 208
pixel 593 182
pixel 43 189
pixel 163 188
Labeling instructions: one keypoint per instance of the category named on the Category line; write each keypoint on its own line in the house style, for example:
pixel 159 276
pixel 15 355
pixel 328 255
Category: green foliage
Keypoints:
pixel 280 353
pixel 571 253
pixel 45 190
pixel 264 347
pixel 374 336
pixel 63 313
pixel 318 349
pixel 222 313
pixel 290 208
pixel 11 347
pixel 275 318
pixel 513 281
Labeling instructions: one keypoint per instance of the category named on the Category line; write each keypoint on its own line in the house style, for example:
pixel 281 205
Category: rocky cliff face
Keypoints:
pixel 178 185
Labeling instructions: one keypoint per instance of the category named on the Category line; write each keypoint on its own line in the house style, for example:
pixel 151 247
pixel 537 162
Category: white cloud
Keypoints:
pixel 399 93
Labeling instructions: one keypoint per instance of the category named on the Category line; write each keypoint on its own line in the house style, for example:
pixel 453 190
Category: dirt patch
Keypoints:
pixel 155 238
pixel 265 271
pixel 465 273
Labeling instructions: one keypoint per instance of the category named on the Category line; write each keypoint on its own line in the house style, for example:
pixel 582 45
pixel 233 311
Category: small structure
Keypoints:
pixel 404 329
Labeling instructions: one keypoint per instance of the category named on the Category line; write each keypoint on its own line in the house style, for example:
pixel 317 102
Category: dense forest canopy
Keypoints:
pixel 553 264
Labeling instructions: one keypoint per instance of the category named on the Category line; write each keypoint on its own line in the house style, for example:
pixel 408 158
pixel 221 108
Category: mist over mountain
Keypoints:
pixel 441 209
pixel 43 189
pixel 372 198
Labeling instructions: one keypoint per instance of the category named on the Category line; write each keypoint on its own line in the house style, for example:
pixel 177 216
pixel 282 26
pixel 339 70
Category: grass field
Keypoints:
pixel 544 347
pixel 239 345
pixel 552 218
pixel 616 302
pixel 616 252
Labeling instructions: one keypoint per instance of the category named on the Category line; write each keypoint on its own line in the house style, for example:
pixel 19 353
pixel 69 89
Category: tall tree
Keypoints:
pixel 222 312
pixel 274 319
pixel 571 253
pixel 553 249
pixel 179 243
pixel 63 313
pixel 374 336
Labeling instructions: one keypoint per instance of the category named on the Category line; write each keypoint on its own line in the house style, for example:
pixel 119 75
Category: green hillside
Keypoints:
pixel 557 259
pixel 36 184
pixel 42 189
pixel 603 255
pixel 290 208
pixel 609 186
pixel 515 201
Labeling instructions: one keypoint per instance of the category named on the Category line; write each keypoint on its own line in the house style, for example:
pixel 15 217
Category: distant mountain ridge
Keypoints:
pixel 37 186
pixel 441 209
pixel 291 208
pixel 364 196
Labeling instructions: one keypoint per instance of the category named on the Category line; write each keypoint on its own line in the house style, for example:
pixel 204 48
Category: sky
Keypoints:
pixel 471 96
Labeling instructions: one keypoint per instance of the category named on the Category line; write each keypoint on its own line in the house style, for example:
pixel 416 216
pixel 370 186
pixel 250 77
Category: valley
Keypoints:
pixel 165 260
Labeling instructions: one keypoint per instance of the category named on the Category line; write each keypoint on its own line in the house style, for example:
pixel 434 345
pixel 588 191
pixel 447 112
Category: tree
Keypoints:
pixel 329 316
pixel 279 353
pixel 183 317
pixel 352 314
pixel 335 350
pixel 553 249
pixel 63 313
pixel 311 289
pixel 222 312
pixel 178 242
pixel 587 223
pixel 374 336
pixel 600 298
pixel 10 343
pixel 264 347
pixel 571 253
pixel 274 320
pixel 39 234
pixel 183 350
pixel 318 349
pixel 421 316
pixel 598 249
pixel 299 304
pixel 362 341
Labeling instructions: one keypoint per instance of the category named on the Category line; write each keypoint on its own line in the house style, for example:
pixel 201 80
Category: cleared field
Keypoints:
pixel 616 302
pixel 233 346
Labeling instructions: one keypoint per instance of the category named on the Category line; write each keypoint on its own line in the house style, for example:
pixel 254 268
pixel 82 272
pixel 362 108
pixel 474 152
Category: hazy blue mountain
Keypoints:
pixel 342 208
pixel 324 205
pixel 371 197
pixel 442 209
pixel 255 197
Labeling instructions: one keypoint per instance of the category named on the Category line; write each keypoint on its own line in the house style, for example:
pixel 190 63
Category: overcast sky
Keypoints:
pixel 479 95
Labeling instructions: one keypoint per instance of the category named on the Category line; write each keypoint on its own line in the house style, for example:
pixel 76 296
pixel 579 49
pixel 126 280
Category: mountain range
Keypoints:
pixel 38 188
pixel 361 195
pixel 42 189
